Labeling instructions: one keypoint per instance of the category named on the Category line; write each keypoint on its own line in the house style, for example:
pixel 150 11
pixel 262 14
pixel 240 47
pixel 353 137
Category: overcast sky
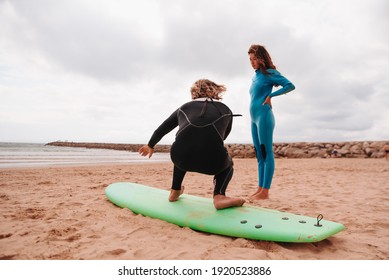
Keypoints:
pixel 113 70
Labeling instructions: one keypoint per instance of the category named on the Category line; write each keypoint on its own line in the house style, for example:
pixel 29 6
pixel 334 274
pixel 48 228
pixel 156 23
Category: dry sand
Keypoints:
pixel 62 212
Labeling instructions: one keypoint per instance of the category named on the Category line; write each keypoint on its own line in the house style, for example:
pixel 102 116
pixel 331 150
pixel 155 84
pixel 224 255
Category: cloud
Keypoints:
pixel 103 41
pixel 113 70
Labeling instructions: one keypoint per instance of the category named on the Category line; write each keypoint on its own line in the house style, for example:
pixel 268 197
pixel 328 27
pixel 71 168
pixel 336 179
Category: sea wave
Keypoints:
pixel 39 155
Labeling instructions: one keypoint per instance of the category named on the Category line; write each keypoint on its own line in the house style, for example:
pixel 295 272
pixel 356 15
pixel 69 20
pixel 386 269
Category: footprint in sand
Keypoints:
pixel 116 252
pixel 7 257
pixel 30 213
pixel 6 235
pixel 65 234
pixel 3 196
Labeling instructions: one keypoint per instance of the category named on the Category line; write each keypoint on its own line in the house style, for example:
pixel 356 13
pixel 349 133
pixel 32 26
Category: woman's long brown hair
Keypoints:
pixel 263 57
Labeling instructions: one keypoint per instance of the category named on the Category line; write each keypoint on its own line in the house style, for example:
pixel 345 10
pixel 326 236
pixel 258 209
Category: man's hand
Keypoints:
pixel 146 150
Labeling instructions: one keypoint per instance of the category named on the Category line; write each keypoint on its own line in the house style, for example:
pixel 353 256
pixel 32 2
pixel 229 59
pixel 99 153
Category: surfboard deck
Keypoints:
pixel 198 213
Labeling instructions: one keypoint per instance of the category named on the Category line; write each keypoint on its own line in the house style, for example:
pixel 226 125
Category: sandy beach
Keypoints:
pixel 62 212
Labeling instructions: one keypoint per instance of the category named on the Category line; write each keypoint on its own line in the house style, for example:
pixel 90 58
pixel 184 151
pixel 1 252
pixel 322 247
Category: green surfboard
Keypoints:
pixel 198 213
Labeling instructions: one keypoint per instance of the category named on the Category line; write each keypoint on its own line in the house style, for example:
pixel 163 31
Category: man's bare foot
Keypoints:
pixel 175 194
pixel 259 195
pixel 222 201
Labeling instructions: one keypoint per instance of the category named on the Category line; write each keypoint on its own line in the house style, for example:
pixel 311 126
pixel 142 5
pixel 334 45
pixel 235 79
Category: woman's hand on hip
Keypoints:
pixel 268 101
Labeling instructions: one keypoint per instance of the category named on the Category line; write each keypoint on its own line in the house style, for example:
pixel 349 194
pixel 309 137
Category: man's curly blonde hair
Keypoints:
pixel 207 88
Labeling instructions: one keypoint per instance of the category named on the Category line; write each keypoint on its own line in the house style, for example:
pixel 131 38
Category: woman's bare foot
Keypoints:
pixel 257 192
pixel 222 201
pixel 259 195
pixel 175 194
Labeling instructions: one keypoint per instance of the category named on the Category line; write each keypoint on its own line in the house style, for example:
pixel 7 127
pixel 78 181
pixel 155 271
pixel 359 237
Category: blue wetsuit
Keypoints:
pixel 262 120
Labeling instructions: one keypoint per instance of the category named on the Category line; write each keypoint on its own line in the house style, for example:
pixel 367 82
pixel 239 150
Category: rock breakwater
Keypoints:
pixel 357 149
pixel 362 149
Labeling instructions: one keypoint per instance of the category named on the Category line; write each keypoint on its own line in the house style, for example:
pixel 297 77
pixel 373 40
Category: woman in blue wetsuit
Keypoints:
pixel 262 118
pixel 204 124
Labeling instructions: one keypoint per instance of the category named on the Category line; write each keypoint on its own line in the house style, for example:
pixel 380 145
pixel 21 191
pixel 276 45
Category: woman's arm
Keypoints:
pixel 276 78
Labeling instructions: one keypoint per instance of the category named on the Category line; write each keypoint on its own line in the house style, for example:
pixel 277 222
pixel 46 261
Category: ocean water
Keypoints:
pixel 38 155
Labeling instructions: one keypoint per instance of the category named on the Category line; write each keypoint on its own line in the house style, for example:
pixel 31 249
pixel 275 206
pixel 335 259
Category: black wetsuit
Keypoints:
pixel 203 124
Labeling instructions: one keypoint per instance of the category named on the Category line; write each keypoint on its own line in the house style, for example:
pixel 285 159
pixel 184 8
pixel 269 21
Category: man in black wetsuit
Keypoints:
pixel 204 124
